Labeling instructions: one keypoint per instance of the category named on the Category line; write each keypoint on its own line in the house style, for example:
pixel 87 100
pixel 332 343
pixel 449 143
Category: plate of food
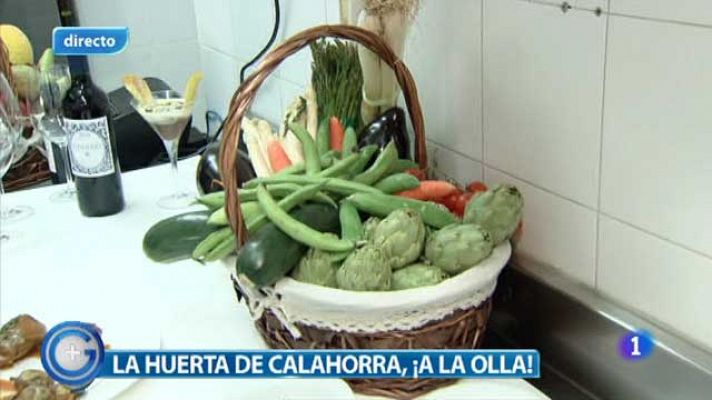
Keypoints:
pixel 21 372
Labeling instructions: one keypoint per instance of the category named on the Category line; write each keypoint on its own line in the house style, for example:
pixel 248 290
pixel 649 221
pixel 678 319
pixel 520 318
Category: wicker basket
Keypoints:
pixel 33 168
pixel 462 329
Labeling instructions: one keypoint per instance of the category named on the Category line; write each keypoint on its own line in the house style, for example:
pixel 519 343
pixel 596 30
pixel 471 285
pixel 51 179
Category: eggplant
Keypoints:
pixel 391 125
pixel 208 172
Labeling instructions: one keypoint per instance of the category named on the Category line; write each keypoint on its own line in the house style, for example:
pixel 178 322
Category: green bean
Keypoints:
pixel 364 157
pixel 340 167
pixel 223 249
pixel 351 226
pixel 323 139
pixel 401 165
pixel 380 205
pixel 281 190
pixel 218 217
pixel 311 155
pixel 350 142
pixel 212 200
pixel 397 183
pixel 380 166
pixel 294 169
pixel 210 242
pixel 297 230
pixel 335 185
pixel 297 168
pixel 294 199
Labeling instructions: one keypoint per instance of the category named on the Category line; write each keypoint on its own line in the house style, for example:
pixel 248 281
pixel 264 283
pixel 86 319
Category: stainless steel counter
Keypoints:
pixel 577 332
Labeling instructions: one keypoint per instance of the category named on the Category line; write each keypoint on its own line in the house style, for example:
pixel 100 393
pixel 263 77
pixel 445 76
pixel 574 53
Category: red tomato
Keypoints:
pixel 461 203
pixel 450 201
pixel 456 202
pixel 476 187
pixel 418 173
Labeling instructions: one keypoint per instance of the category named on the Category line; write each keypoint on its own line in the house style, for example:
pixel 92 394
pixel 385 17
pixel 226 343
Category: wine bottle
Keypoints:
pixel 92 144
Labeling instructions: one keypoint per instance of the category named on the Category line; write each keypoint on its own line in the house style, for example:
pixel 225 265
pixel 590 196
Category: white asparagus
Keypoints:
pixel 259 162
pixel 293 147
pixel 294 113
pixel 264 137
pixel 312 111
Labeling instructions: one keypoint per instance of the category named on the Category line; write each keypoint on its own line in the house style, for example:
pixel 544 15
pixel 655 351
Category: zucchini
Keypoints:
pixel 270 254
pixel 175 238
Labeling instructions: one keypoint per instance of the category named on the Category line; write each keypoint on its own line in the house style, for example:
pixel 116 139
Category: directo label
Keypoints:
pixel 90 147
pixel 83 41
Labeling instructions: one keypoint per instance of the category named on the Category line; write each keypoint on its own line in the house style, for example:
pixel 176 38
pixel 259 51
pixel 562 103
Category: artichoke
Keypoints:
pixel 417 275
pixel 498 211
pixel 369 227
pixel 316 267
pixel 401 236
pixel 458 247
pixel 366 269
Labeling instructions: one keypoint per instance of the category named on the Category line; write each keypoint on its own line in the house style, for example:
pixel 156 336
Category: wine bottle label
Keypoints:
pixel 50 156
pixel 90 147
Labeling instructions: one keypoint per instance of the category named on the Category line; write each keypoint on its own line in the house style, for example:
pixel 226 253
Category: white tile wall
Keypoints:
pixel 215 27
pixel 656 277
pixel 542 95
pixel 300 15
pixel 150 22
pixel 546 80
pixel 221 78
pixel 450 165
pixel 232 32
pixel 251 22
pixel 695 11
pixel 657 168
pixel 556 231
pixel 448 73
pixel 171 53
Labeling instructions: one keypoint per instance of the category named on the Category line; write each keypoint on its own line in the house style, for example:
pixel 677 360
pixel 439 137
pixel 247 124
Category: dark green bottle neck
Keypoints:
pixel 79 68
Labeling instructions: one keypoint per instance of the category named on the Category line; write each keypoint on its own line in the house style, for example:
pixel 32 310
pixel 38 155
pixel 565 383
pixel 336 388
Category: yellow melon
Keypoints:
pixel 18 45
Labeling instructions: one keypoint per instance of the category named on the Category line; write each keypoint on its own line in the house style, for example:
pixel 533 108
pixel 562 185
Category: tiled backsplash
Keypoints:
pixel 163 42
pixel 603 121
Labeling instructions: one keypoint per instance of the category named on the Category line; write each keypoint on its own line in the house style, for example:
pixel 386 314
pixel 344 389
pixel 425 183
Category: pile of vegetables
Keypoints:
pixel 332 207
pixel 334 221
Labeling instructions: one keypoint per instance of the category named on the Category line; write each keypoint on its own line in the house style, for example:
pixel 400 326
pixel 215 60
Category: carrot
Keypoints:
pixel 278 158
pixel 430 190
pixel 337 134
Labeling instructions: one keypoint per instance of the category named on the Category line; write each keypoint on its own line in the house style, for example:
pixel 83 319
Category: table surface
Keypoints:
pixel 59 265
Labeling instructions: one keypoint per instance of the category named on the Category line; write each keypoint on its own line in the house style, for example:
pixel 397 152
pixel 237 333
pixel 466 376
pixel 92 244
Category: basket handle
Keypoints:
pixel 245 95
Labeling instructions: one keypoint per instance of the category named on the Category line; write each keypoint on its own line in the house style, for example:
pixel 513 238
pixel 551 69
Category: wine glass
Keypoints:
pixel 7 146
pixel 53 84
pixel 168 114
pixel 11 126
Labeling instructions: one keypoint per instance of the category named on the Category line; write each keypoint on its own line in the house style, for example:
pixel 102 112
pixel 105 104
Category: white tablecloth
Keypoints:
pixel 59 266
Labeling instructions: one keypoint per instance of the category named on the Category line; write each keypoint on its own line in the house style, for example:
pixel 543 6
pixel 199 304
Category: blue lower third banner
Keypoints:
pixel 322 364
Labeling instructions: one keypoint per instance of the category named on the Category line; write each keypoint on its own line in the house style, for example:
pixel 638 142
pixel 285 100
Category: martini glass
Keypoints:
pixel 168 115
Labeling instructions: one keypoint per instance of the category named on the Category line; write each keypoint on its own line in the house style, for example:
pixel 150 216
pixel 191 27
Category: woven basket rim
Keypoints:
pixel 484 271
pixel 455 287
